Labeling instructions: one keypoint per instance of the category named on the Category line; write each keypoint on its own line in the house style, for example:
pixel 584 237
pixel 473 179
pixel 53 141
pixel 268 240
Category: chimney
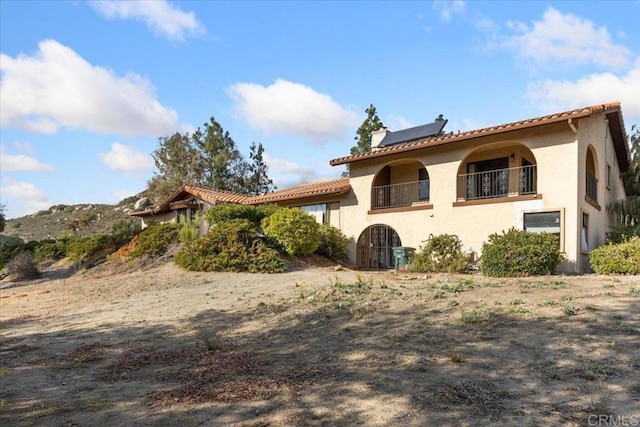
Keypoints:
pixel 376 138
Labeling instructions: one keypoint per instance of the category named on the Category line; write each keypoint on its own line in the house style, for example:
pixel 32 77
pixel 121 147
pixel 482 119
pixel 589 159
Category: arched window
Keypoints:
pixel 591 176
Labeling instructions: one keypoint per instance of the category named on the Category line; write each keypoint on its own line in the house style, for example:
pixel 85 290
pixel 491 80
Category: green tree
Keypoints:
pixel 223 167
pixel 363 134
pixel 177 162
pixel 3 220
pixel 628 210
pixel 258 181
pixel 631 177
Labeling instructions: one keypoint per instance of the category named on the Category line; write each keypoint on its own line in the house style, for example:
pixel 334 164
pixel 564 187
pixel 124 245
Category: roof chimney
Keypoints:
pixel 376 138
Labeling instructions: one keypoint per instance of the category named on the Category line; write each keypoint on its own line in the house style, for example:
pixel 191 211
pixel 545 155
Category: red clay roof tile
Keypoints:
pixel 461 136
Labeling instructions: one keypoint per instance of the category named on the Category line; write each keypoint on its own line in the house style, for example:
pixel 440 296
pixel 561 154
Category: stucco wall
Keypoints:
pixel 560 157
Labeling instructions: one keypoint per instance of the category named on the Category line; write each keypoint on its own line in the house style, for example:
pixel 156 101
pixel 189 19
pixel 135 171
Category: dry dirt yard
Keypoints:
pixel 316 346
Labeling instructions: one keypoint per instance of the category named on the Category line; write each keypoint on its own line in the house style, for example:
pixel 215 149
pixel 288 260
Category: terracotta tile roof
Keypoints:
pixel 334 187
pixel 326 188
pixel 215 196
pixel 210 196
pixel 462 136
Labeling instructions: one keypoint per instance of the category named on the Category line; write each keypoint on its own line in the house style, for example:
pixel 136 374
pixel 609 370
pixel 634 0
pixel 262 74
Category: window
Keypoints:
pixel 544 222
pixel 488 178
pixel 608 177
pixel 591 177
pixel 584 240
pixel 320 212
pixel 423 184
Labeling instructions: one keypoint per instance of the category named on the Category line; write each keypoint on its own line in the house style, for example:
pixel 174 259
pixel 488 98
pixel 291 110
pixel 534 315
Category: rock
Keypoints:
pixel 142 203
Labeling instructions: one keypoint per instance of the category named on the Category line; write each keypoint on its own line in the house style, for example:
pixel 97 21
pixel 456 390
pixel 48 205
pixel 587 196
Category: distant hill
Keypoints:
pixel 59 220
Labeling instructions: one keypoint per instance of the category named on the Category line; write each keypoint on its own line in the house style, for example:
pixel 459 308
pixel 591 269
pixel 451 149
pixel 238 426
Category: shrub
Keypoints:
pixel 621 258
pixel 622 233
pixel 230 246
pixel 520 253
pixel 50 249
pixel 442 254
pixel 155 240
pixel 23 266
pixel 10 246
pixel 333 243
pixel 189 229
pixel 294 229
pixel 91 248
pixel 229 211
pixel 125 229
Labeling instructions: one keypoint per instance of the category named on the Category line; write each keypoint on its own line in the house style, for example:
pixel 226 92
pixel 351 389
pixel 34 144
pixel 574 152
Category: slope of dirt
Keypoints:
pixel 318 346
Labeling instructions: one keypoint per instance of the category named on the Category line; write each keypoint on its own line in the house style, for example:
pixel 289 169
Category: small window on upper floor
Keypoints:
pixel 608 177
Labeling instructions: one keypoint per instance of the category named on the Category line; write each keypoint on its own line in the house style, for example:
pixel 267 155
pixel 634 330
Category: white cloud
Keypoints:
pixel 159 16
pixel 30 198
pixel 446 8
pixel 567 37
pixel 21 162
pixel 126 158
pixel 292 108
pixel 57 88
pixel 395 123
pixel 554 95
pixel 286 174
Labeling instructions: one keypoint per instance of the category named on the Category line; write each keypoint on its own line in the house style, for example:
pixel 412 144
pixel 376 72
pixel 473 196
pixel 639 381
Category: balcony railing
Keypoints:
pixel 592 187
pixel 399 195
pixel 497 183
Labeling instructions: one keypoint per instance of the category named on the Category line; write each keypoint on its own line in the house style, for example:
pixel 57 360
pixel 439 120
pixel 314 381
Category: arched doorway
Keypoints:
pixel 374 249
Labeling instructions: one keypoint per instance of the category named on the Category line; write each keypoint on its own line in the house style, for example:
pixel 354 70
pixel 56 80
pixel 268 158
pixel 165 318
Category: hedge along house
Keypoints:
pixel 555 173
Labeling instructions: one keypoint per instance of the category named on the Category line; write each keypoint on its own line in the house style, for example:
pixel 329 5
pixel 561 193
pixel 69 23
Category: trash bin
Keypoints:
pixel 402 255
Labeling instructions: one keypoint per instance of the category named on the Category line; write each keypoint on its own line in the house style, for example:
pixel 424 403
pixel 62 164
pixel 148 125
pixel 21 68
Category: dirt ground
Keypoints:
pixel 318 346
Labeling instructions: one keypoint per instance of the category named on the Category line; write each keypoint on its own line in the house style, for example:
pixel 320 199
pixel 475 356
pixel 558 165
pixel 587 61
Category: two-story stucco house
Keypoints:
pixel 555 173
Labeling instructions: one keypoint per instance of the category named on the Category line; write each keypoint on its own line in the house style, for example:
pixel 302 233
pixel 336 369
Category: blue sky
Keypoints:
pixel 86 88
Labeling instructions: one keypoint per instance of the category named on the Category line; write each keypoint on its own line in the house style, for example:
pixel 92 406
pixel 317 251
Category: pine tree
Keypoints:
pixel 223 166
pixel 363 134
pixel 258 181
pixel 177 162
pixel 363 137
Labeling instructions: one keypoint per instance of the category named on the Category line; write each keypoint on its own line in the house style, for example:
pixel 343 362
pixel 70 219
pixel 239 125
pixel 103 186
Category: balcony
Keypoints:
pixel 406 194
pixel 497 183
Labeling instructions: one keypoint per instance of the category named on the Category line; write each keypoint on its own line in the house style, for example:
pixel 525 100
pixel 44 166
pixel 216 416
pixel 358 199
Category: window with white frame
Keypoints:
pixel 320 212
pixel 584 236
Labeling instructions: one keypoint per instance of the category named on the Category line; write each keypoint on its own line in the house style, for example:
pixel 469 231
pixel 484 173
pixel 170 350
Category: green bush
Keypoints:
pixel 229 211
pixel 230 246
pixel 442 254
pixel 621 258
pixel 622 233
pixel 155 240
pixel 50 249
pixel 91 248
pixel 520 253
pixel 333 243
pixel 125 229
pixel 10 246
pixel 294 229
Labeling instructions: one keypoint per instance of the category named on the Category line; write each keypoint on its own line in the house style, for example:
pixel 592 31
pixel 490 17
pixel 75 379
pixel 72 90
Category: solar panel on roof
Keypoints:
pixel 412 134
